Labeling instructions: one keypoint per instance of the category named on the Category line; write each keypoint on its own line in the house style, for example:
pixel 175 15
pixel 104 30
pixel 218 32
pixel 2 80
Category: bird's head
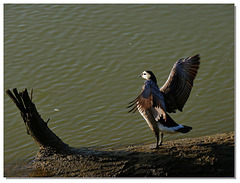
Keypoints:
pixel 148 75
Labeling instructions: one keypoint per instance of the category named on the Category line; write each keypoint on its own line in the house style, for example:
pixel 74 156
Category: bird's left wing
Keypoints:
pixel 150 98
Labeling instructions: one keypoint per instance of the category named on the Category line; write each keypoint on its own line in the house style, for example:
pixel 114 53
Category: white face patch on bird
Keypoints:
pixel 145 75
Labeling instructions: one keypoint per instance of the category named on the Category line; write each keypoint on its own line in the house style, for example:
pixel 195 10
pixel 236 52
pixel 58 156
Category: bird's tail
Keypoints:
pixel 171 126
pixel 184 129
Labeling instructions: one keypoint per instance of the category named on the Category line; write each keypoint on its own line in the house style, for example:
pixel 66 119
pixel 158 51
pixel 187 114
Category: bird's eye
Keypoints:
pixel 144 73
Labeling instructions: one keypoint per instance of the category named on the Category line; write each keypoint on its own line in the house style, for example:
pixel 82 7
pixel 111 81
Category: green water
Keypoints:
pixel 84 61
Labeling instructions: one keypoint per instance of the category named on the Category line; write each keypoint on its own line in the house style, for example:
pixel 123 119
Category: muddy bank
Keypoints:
pixel 195 157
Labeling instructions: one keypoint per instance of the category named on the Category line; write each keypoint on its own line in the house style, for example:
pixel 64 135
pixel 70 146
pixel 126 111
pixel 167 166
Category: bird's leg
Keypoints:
pixel 161 138
pixel 157 137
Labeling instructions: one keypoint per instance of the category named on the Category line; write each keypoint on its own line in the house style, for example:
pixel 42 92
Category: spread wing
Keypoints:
pixel 179 84
pixel 151 99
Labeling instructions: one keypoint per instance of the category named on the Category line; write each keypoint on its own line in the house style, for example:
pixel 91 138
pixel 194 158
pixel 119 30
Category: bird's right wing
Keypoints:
pixel 179 84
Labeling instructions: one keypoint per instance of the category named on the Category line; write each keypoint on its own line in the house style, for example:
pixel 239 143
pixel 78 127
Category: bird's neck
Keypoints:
pixel 152 80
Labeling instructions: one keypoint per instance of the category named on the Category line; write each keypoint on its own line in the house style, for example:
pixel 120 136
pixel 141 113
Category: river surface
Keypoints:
pixel 83 63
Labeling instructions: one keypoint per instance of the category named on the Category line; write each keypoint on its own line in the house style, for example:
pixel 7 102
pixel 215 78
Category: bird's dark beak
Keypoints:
pixel 140 75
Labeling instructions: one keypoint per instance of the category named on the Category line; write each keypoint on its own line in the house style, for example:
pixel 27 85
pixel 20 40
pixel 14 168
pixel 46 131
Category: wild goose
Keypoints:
pixel 154 104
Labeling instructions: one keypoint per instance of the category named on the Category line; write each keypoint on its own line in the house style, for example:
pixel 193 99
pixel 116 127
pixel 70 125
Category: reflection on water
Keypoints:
pixel 84 61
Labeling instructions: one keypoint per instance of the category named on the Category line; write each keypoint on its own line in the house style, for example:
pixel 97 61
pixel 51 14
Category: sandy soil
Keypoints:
pixel 208 156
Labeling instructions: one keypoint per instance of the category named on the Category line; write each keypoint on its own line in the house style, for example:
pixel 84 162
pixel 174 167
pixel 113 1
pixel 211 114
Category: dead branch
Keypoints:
pixel 35 125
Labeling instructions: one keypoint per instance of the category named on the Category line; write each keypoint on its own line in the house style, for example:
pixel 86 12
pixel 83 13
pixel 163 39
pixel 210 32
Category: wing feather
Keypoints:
pixel 179 84
pixel 150 99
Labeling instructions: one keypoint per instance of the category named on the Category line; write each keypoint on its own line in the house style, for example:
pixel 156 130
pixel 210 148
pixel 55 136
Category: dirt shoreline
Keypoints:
pixel 208 156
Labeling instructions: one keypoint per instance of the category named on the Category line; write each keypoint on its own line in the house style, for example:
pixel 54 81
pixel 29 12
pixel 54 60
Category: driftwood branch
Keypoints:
pixel 35 125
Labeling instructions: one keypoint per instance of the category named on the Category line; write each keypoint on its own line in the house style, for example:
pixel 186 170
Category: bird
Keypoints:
pixel 155 103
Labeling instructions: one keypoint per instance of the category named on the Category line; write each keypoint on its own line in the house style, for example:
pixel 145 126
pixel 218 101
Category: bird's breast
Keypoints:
pixel 152 123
